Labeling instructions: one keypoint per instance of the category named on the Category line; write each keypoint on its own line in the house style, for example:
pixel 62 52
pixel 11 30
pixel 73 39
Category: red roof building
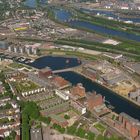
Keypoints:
pixel 78 90
pixel 94 100
pixel 45 73
pixel 60 82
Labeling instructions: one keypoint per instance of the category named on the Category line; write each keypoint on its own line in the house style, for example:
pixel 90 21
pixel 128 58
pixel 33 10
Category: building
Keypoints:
pixel 60 82
pixel 113 56
pixel 128 125
pixel 94 101
pixel 78 106
pixel 3 45
pixel 113 77
pixel 45 73
pixel 28 49
pixel 124 6
pixel 36 134
pixel 90 71
pixel 78 90
pixel 133 67
pixel 62 94
pixel 134 94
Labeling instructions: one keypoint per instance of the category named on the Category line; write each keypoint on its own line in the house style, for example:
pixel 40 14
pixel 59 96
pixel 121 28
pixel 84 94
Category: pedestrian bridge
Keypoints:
pixel 62 70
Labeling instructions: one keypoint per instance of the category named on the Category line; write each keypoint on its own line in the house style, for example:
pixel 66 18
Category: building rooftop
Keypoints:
pixel 129 118
pixel 36 134
pixel 134 66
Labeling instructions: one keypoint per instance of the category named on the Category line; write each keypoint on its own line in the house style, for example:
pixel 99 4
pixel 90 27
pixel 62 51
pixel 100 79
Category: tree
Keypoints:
pixel 67 117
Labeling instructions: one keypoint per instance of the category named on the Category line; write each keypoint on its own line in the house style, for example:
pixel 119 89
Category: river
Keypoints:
pixel 110 14
pixel 120 104
pixel 33 3
pixel 64 16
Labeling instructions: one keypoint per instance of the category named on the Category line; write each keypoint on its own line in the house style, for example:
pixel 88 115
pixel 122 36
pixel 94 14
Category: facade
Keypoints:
pixel 44 73
pixel 60 82
pixel 28 49
pixel 113 56
pixel 3 45
pixel 78 106
pixel 128 125
pixel 78 90
pixel 36 134
pixel 94 101
pixel 62 94
pixel 90 72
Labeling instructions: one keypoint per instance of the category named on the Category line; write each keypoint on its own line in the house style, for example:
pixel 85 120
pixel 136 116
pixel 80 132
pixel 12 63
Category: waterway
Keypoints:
pixel 64 16
pixel 110 14
pixel 33 3
pixel 55 62
pixel 120 104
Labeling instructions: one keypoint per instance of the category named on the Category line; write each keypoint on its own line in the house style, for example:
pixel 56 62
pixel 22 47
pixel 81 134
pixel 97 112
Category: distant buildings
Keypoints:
pixel 133 67
pixel 113 56
pixel 3 45
pixel 28 49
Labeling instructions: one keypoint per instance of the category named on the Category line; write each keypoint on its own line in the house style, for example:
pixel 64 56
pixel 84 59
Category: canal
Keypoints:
pixel 120 104
pixel 55 62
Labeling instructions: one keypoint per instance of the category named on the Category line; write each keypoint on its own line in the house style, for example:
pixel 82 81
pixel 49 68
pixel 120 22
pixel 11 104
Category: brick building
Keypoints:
pixel 128 125
pixel 44 73
pixel 78 90
pixel 94 100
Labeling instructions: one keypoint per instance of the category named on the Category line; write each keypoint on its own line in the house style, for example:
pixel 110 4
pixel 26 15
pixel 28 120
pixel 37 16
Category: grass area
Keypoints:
pixel 100 127
pixel 69 53
pixel 18 65
pixel 24 86
pixel 6 120
pixel 113 117
pixel 130 49
pixel 115 25
pixel 127 47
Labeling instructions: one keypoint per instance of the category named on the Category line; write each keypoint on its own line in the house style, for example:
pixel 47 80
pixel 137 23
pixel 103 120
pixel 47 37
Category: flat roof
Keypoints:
pixel 36 134
pixel 129 117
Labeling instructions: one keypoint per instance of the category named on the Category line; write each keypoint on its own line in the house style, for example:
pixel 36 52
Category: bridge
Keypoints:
pixel 67 69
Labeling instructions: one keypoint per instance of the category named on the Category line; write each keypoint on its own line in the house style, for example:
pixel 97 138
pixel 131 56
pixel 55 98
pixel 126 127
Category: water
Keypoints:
pixel 62 15
pixel 104 30
pixel 33 3
pixel 59 14
pixel 111 14
pixel 55 63
pixel 120 104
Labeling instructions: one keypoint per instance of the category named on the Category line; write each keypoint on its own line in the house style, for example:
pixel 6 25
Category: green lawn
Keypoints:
pixel 18 65
pixel 25 86
pixel 100 127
